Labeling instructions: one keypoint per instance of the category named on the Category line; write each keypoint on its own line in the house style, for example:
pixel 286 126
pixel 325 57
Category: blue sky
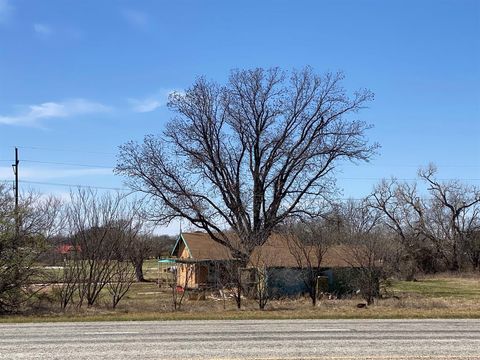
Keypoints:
pixel 79 78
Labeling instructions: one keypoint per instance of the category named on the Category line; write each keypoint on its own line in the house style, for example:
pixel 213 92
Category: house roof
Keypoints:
pixel 202 247
pixel 67 248
pixel 274 253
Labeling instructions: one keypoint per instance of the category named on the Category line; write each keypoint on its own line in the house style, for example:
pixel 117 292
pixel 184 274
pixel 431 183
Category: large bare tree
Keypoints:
pixel 247 155
pixel 453 215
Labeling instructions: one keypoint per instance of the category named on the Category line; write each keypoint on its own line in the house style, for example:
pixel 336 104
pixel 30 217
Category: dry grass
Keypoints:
pixel 146 302
pixel 442 296
pixel 324 311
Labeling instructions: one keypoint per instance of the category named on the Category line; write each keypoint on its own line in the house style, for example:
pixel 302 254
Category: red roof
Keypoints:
pixel 66 248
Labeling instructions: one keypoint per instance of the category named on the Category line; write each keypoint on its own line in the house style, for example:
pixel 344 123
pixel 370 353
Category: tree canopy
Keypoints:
pixel 246 155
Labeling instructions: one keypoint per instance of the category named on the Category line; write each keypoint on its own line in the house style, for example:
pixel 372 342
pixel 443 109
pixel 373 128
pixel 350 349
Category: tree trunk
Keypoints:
pixel 139 271
pixel 235 270
pixel 454 264
pixel 313 288
pixel 238 292
pixel 238 300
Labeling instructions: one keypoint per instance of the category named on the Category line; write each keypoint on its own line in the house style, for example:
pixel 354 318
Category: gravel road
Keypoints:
pixel 255 339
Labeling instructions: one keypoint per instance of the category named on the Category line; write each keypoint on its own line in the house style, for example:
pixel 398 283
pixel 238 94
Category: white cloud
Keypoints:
pixel 138 19
pixel 6 11
pixel 32 114
pixel 150 103
pixel 145 105
pixel 42 30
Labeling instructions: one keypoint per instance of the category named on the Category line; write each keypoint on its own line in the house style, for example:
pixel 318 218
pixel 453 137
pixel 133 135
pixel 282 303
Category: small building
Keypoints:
pixel 203 263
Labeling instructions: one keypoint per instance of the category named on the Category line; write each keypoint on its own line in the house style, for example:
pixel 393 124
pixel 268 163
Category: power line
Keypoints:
pixel 66 150
pixel 346 178
pixel 69 185
pixel 372 164
pixel 68 164
pixel 75 185
pixel 123 189
pixel 340 166
pixel 405 179
pixel 345 165
pixel 98 187
pixel 339 178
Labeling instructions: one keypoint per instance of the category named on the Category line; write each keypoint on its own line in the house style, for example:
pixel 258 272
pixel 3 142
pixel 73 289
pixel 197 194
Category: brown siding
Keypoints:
pixel 184 270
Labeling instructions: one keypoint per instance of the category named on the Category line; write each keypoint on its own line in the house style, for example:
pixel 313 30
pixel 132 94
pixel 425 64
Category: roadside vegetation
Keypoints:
pixel 439 296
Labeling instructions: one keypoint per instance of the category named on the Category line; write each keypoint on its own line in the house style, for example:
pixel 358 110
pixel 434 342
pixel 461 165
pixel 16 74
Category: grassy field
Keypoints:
pixel 447 287
pixel 150 269
pixel 442 296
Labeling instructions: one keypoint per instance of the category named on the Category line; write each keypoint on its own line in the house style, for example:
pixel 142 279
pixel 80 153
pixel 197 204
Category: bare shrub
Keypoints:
pixel 102 229
pixel 308 242
pixel 24 234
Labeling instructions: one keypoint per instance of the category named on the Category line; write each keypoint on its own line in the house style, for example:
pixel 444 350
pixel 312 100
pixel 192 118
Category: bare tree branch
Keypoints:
pixel 246 156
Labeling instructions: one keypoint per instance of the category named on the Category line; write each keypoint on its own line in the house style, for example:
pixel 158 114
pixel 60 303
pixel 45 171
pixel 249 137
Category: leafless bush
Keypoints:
pixel 24 232
pixel 308 242
pixel 181 285
pixel 102 229
pixel 66 284
pixel 123 275
pixel 367 248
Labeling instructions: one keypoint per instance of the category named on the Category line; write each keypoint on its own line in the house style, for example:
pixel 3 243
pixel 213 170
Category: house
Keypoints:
pixel 65 249
pixel 201 262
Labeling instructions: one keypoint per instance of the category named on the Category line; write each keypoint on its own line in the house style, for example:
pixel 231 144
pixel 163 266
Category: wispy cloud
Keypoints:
pixel 150 103
pixel 42 30
pixel 33 114
pixel 136 18
pixel 145 105
pixel 6 11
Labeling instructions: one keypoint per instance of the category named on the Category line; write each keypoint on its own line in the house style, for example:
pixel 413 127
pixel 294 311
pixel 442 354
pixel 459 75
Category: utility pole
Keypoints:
pixel 15 171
